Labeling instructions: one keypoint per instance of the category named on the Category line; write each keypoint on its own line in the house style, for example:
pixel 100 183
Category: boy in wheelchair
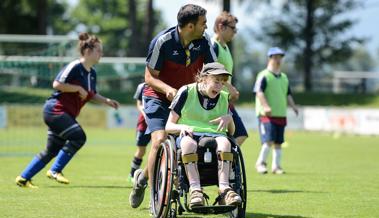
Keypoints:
pixel 201 109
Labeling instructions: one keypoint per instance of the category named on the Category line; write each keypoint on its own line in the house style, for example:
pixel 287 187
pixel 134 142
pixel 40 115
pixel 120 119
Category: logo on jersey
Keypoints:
pixel 175 52
pixel 196 48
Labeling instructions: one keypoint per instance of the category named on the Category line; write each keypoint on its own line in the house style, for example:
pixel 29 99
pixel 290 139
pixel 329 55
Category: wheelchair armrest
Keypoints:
pixel 232 141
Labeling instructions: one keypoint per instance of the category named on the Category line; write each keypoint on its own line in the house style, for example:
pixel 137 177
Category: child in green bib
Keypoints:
pixel 202 109
pixel 273 94
pixel 225 28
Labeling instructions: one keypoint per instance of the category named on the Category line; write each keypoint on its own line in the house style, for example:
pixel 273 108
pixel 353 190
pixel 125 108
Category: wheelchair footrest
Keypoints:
pixel 217 209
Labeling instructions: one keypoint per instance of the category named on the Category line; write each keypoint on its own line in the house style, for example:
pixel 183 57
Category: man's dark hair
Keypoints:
pixel 190 14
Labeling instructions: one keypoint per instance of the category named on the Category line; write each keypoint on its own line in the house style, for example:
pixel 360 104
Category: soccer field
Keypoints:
pixel 326 177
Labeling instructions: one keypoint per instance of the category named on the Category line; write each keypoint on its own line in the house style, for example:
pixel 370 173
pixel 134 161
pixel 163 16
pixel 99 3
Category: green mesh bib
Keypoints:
pixel 275 93
pixel 195 116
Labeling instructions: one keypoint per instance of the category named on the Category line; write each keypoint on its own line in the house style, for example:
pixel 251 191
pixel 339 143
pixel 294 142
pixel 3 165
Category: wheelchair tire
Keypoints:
pixel 240 185
pixel 163 180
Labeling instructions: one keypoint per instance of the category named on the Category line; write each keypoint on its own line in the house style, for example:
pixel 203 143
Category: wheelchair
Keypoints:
pixel 170 188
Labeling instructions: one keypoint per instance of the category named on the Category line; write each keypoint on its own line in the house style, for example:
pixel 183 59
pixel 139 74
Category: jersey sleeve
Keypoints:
pixel 180 99
pixel 68 73
pixel 260 84
pixel 154 58
pixel 156 53
pixel 139 91
pixel 289 92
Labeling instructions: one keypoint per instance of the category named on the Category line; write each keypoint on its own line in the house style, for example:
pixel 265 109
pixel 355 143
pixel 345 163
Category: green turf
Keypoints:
pixel 327 177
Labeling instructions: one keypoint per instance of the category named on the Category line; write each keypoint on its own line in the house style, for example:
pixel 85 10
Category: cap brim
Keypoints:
pixel 219 72
pixel 282 54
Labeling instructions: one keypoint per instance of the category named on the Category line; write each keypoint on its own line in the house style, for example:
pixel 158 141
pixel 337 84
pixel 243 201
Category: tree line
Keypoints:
pixel 313 32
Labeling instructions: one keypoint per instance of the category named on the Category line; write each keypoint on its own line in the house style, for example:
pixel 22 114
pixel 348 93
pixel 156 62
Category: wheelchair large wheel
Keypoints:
pixel 239 185
pixel 163 180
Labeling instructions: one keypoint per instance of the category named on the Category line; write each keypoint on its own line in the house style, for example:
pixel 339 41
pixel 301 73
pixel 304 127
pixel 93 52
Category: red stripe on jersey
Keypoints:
pixel 176 75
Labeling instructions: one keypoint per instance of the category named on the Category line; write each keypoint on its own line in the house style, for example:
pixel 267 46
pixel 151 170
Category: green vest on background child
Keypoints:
pixel 275 92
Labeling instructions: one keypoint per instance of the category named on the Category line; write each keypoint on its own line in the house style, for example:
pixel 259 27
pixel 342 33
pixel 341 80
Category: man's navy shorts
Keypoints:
pixel 157 112
pixel 142 138
pixel 240 129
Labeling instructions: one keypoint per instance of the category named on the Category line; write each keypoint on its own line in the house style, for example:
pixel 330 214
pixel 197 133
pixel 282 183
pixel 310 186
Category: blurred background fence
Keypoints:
pixel 34 61
pixel 331 61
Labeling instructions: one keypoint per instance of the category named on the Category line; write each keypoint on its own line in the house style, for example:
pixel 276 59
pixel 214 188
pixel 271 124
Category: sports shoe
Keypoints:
pixel 230 197
pixel 278 171
pixel 130 179
pixel 151 210
pixel 57 176
pixel 196 198
pixel 138 192
pixel 24 183
pixel 261 168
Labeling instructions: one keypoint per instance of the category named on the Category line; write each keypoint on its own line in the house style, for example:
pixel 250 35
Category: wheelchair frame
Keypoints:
pixel 169 184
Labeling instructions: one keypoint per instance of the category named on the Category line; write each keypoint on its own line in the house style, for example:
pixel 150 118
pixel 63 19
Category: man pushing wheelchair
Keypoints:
pixel 200 110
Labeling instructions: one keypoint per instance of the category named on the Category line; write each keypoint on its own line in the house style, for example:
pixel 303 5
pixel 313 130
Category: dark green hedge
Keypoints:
pixel 30 95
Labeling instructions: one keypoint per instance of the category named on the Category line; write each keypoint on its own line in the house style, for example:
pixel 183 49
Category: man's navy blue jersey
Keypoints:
pixel 167 55
pixel 70 102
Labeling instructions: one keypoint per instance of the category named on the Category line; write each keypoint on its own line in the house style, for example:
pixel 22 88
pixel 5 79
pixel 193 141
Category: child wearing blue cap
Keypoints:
pixel 272 96
pixel 275 51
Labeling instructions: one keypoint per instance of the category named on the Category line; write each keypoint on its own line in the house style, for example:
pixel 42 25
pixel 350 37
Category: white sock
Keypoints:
pixel 276 158
pixel 223 175
pixel 265 150
pixel 193 176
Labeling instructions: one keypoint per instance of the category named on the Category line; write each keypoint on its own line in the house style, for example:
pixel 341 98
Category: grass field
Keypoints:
pixel 326 177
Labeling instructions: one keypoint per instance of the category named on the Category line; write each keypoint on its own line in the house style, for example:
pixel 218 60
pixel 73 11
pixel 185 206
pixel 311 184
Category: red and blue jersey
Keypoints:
pixel 141 123
pixel 70 102
pixel 176 67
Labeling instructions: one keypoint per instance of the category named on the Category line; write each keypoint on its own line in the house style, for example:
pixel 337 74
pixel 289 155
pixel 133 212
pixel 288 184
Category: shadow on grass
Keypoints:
pixel 283 191
pixel 247 215
pixel 91 186
pixel 264 215
pixel 186 214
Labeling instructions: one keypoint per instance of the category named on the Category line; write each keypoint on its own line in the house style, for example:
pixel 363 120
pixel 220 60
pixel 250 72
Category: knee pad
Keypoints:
pixel 225 156
pixel 46 155
pixel 76 141
pixel 190 158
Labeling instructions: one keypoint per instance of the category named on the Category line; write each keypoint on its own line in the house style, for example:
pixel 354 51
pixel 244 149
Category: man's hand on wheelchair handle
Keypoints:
pixel 186 131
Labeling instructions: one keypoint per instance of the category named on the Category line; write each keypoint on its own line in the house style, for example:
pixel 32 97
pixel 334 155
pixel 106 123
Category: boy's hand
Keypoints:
pixel 267 111
pixel 222 122
pixel 112 103
pixel 296 110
